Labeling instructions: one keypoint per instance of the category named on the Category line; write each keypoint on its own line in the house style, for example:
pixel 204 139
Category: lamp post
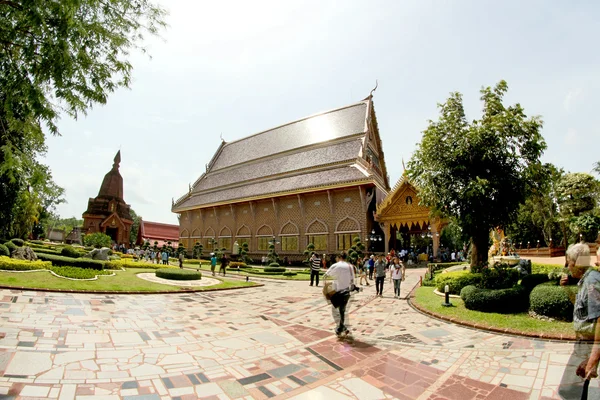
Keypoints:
pixel 447 297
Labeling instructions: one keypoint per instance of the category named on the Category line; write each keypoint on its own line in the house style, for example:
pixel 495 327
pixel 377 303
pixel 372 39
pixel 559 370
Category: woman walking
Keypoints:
pixel 397 275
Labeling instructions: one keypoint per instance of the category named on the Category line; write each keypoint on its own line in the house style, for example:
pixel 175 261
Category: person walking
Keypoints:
pixel 165 257
pixel 315 267
pixel 213 263
pixel 380 266
pixel 224 262
pixel 181 260
pixel 397 275
pixel 371 266
pixel 158 258
pixel 343 274
pixel 363 272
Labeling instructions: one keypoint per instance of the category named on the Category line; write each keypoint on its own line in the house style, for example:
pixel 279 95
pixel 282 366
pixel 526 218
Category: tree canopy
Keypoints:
pixel 479 171
pixel 56 58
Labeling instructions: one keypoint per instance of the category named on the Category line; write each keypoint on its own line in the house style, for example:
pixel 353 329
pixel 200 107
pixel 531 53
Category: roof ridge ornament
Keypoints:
pixel 117 160
pixel 374 89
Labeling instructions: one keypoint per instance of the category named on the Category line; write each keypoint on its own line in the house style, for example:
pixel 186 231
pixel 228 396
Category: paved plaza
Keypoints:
pixel 274 341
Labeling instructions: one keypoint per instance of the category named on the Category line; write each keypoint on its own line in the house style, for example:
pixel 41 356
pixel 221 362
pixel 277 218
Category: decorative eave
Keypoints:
pixel 388 199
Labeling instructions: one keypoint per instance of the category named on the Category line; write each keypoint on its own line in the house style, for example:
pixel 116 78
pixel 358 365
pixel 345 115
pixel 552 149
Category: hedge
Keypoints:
pixel 178 274
pixel 236 264
pixel 194 261
pixel 78 273
pixel 504 301
pixel 70 251
pixel 127 263
pixel 499 277
pixel 551 301
pixel 61 261
pixel 11 246
pixel 545 268
pixel 18 242
pixel 274 265
pixel 289 273
pixel 456 281
pixel 45 251
pixel 38 242
pixel 11 264
pixel 4 251
pixel 274 269
pixel 531 281
pixel 440 266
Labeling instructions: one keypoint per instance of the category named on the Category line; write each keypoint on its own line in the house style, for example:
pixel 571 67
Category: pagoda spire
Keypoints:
pixel 117 160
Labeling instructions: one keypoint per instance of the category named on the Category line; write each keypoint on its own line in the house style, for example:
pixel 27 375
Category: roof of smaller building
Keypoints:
pixel 159 231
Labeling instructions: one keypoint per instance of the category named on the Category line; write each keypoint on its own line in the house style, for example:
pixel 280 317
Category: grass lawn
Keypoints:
pixel 234 272
pixel 426 299
pixel 124 281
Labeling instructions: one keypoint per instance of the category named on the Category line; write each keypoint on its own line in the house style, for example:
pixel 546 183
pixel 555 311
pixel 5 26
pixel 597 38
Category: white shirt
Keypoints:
pixel 396 273
pixel 343 273
pixel 453 256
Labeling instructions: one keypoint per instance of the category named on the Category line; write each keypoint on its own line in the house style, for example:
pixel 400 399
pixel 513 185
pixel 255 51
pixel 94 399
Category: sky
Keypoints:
pixel 235 68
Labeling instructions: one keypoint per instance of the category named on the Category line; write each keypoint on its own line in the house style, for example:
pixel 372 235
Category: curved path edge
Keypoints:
pixel 507 331
pixel 183 290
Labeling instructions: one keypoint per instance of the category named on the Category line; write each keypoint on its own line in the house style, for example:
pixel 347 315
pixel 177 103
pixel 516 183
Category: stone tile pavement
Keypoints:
pixel 271 342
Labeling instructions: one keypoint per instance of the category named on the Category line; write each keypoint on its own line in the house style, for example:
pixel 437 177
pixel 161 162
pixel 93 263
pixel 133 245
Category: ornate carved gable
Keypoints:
pixel 401 206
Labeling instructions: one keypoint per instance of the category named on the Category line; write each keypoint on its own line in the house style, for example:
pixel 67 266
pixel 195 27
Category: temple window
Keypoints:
pixel 263 242
pixel 344 240
pixel 289 243
pixel 225 243
pixel 319 241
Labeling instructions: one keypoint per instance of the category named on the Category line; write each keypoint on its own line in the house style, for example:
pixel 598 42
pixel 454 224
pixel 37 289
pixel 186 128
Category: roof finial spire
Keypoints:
pixel 374 89
pixel 405 173
pixel 222 140
pixel 117 160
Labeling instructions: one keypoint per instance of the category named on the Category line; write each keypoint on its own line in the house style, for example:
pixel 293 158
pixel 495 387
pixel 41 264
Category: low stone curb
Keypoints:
pixel 507 331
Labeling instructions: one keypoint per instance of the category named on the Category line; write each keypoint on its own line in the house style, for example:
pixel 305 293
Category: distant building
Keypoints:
pixel 56 235
pixel 316 180
pixel 108 213
pixel 74 237
pixel 157 232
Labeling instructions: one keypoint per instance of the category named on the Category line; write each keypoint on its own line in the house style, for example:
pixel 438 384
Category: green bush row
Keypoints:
pixel 78 273
pixel 4 251
pixel 441 266
pixel 178 274
pixel 274 269
pixel 456 281
pixel 553 301
pixel 504 301
pixel 10 246
pixel 70 251
pixel 18 242
pixel 11 264
pixel 545 268
pixel 289 273
pixel 44 250
pixel 61 261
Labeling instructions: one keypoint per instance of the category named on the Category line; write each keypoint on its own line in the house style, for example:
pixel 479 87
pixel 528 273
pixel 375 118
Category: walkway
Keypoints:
pixel 270 342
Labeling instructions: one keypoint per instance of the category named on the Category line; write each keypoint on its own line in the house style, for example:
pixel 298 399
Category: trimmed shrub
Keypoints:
pixel 70 251
pixel 441 266
pixel 45 250
pixel 531 281
pixel 500 276
pixel 128 256
pixel 61 261
pixel 4 251
pixel 236 264
pixel 118 264
pixel 551 301
pixel 11 264
pixel 274 265
pixel 18 242
pixel 78 273
pixel 11 246
pixel 178 274
pixel 277 270
pixel 504 301
pixel 38 242
pixel 289 273
pixel 456 281
pixel 195 261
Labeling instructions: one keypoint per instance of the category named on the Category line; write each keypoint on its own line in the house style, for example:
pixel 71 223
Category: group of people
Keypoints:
pixel 151 256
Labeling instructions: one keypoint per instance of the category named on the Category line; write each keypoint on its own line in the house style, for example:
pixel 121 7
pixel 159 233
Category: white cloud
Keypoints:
pixel 571 98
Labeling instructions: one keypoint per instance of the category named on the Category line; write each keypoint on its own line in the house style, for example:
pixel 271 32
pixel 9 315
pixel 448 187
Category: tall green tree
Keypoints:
pixel 479 171
pixel 577 197
pixel 135 227
pixel 56 57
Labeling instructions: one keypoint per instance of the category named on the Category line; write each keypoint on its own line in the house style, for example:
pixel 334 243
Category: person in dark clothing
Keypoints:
pixel 371 266
pixel 380 267
pixel 224 262
pixel 315 266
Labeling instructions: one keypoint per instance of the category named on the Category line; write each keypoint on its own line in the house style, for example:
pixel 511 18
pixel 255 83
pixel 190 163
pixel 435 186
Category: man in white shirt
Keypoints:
pixel 343 273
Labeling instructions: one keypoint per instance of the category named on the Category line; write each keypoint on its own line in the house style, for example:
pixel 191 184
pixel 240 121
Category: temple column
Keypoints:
pixel 387 227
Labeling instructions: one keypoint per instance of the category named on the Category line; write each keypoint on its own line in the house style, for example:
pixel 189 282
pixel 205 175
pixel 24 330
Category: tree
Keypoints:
pixel 135 227
pixel 58 57
pixel 356 251
pixel 244 250
pixel 478 172
pixel 310 248
pixel 181 249
pixel 597 167
pixel 577 197
pixel 197 251
pixel 97 240
pixel 272 255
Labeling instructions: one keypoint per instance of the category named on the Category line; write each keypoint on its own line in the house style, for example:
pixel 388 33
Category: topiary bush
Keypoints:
pixel 531 281
pixel 178 274
pixel 10 264
pixel 70 251
pixel 551 301
pixel 120 263
pixel 11 246
pixel 274 265
pixel 18 242
pixel 289 273
pixel 500 276
pixel 504 301
pixel 277 270
pixel 38 242
pixel 45 250
pixel 4 251
pixel 236 264
pixel 456 281
pixel 61 261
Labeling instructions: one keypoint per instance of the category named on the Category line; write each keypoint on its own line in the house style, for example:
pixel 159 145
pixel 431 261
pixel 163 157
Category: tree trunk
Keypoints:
pixel 479 250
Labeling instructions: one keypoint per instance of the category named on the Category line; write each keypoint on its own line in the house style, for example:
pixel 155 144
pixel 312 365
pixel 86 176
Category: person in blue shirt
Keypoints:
pixel 213 263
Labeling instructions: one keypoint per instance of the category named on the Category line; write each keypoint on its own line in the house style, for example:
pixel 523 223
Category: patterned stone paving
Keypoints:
pixel 269 342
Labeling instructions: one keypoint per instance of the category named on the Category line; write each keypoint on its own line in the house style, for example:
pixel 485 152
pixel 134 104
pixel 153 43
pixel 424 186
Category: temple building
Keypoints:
pixel 108 213
pixel 315 180
pixel 157 232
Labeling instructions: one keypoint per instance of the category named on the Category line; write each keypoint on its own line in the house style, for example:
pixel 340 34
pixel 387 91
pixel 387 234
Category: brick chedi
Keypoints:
pixel 108 213
pixel 316 180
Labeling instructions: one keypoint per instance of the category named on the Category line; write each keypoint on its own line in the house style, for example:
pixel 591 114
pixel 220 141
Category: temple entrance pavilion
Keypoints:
pixel 404 221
